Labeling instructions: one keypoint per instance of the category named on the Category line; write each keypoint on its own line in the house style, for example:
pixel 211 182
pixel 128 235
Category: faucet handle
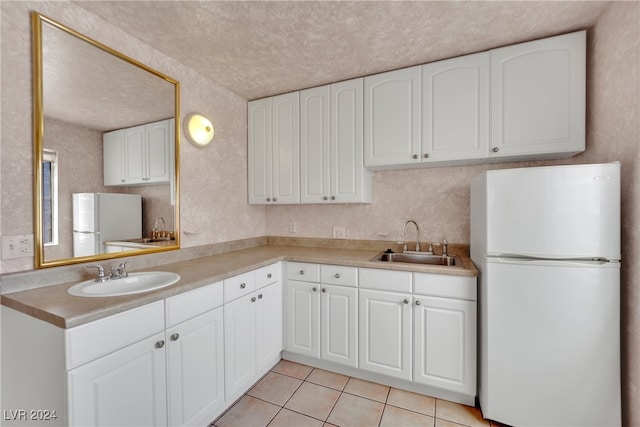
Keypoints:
pixel 122 267
pixel 445 247
pixel 101 276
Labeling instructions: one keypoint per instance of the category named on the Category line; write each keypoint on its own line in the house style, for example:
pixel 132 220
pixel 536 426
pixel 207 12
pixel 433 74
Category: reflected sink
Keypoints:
pixel 134 284
pixel 418 258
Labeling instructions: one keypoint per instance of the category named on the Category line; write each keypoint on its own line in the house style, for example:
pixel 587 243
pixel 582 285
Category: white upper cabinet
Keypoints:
pixel 538 98
pixel 274 150
pixel 455 109
pixel 392 118
pixel 139 155
pixel 331 124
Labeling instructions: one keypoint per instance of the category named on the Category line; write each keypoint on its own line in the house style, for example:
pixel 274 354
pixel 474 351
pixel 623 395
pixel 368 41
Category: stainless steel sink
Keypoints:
pixel 418 258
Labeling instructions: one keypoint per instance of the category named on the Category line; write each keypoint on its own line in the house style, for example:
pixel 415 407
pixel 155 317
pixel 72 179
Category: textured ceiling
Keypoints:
pixel 263 48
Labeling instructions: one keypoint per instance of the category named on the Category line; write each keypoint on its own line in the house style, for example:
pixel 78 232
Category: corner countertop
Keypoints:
pixel 54 305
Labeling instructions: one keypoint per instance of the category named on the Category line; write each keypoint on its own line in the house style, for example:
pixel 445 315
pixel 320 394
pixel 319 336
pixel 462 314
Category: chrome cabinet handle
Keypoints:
pixel 496 149
pixel 415 156
pixel 418 302
pixel 302 272
pixel 274 199
pixel 260 296
pixel 243 285
pixel 268 199
pixel 325 198
pixel 333 197
pixel 324 290
pixel 174 337
pixel 253 299
pixel 337 275
pixel 314 289
pixel 269 276
pixel 426 155
pixel 160 344
pixel 406 301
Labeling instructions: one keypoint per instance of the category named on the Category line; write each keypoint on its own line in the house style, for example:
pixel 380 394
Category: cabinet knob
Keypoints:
pixel 274 199
pixel 253 299
pixel 314 289
pixel 260 296
pixel 269 276
pixel 243 285
pixel 325 198
pixel 426 155
pixel 174 337
pixel 496 149
pixel 122 180
pixel 268 199
pixel 337 275
pixel 415 156
pixel 333 197
pixel 418 302
pixel 406 301
pixel 301 272
pixel 324 290
pixel 160 344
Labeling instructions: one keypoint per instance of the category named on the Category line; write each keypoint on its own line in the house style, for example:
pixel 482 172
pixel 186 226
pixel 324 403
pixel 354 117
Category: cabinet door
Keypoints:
pixel 445 343
pixel 339 327
pixel 239 344
pixel 455 109
pixel 268 325
pixel 113 157
pixel 538 97
pixel 314 145
pixel 392 118
pixel 126 387
pixel 134 155
pixel 158 152
pixel 385 333
pixel 260 155
pixel 286 148
pixel 195 358
pixel 350 181
pixel 302 331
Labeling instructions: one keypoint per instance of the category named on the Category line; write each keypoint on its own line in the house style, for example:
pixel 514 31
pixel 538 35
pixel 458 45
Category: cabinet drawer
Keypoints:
pixel 239 285
pixel 95 339
pixel 443 285
pixel 268 275
pixel 193 303
pixel 339 275
pixel 303 271
pixel 385 280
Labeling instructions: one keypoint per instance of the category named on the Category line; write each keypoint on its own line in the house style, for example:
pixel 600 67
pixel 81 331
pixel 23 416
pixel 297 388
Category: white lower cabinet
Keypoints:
pixel 126 387
pixel 253 337
pixel 321 319
pixel 195 369
pixel 385 333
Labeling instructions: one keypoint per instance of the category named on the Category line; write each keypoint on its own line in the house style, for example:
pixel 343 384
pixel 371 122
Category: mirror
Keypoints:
pixel 106 160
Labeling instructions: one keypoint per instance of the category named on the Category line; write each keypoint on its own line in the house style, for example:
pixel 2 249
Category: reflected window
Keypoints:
pixel 50 197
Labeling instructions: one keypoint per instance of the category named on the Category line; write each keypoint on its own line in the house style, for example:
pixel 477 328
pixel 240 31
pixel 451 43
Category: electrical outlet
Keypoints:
pixel 293 227
pixel 18 246
pixel 339 233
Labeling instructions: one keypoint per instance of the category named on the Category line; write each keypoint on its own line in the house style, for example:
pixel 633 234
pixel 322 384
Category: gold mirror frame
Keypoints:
pixel 38 134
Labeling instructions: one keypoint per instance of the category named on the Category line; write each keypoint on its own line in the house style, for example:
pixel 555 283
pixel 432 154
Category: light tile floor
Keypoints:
pixel 297 395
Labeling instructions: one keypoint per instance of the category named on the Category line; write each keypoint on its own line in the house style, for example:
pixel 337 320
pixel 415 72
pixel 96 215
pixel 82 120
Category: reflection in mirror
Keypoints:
pixel 106 151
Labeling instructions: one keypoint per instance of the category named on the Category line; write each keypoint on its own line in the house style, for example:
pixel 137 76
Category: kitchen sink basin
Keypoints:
pixel 419 258
pixel 133 284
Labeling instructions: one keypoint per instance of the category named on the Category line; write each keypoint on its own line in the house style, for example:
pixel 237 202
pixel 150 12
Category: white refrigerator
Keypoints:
pixel 546 241
pixel 101 217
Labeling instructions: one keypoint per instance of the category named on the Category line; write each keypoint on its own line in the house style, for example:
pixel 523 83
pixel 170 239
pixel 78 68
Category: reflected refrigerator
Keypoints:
pixel 546 241
pixel 103 217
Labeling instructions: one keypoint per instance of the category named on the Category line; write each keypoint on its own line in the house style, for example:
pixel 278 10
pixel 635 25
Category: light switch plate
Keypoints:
pixel 339 233
pixel 17 246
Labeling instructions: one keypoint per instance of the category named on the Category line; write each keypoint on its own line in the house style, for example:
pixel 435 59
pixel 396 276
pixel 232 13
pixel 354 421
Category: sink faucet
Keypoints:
pixel 101 276
pixel 445 247
pixel 404 235
pixel 121 270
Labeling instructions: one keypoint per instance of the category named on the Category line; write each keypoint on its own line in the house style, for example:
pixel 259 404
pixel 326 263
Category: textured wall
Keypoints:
pixel 213 179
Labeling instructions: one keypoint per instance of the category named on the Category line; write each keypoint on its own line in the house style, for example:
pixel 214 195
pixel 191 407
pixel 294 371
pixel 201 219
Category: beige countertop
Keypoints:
pixel 54 305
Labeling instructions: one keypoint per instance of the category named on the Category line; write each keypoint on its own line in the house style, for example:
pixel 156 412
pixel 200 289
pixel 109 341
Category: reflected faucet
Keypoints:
pixel 155 227
pixel 404 235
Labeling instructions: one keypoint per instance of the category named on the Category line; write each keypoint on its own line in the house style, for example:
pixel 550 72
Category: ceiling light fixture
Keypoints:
pixel 198 129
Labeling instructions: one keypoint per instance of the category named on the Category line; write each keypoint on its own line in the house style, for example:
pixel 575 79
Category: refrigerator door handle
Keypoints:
pixel 559 262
